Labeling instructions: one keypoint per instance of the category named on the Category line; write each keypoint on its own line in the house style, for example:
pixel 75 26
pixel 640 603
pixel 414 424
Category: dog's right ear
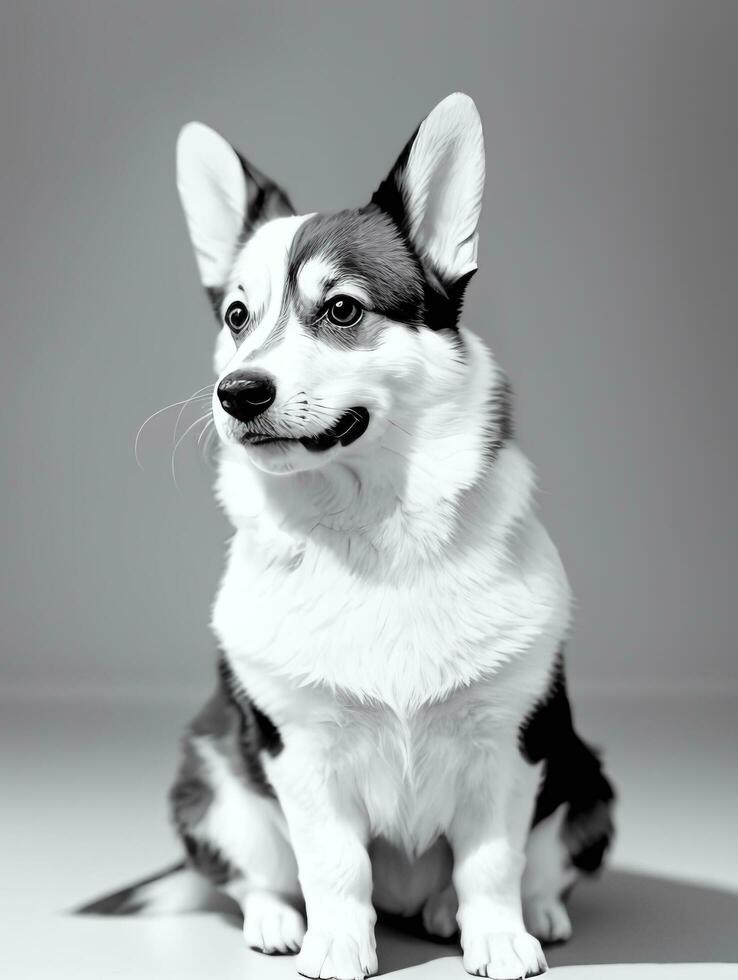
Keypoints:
pixel 224 199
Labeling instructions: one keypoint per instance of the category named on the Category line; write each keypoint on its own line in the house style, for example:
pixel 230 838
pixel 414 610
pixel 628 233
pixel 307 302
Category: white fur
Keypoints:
pixel 394 606
pixel 270 924
pixel 548 873
pixel 267 853
pixel 212 189
pixel 312 276
pixel 443 184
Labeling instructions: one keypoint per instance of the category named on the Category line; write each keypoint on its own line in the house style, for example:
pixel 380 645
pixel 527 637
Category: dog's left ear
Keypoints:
pixel 224 199
pixel 434 191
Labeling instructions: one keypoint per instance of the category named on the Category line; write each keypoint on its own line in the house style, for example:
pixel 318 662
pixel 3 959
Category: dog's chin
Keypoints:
pixel 283 456
pixel 290 454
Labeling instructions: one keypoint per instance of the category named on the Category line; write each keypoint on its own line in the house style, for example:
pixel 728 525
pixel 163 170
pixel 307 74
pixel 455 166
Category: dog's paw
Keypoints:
pixel 337 957
pixel 439 914
pixel 548 920
pixel 272 926
pixel 503 955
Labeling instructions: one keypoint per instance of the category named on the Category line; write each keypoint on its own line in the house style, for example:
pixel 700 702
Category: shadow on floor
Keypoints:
pixel 620 918
pixel 633 918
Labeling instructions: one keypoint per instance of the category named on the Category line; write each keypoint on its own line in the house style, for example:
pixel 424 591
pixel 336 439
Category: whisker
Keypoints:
pixel 208 440
pixel 211 440
pixel 196 395
pixel 332 410
pixel 205 432
pixel 400 428
pixel 178 443
pixel 153 416
pixel 205 429
pixel 292 397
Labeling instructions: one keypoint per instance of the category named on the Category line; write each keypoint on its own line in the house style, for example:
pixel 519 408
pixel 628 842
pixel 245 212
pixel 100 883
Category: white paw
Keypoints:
pixel 548 920
pixel 339 957
pixel 270 925
pixel 439 914
pixel 503 955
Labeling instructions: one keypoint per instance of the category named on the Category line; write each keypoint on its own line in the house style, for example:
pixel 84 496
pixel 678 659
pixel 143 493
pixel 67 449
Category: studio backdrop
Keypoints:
pixel 606 286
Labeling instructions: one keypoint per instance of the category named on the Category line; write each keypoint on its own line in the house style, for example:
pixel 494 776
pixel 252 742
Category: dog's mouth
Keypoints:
pixel 345 430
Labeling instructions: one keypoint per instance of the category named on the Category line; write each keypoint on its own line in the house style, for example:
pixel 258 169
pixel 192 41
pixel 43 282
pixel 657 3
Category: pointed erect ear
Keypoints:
pixel 434 191
pixel 224 198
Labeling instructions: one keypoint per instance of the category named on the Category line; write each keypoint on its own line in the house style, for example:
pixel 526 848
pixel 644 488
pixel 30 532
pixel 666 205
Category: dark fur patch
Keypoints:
pixel 257 732
pixel 388 196
pixel 191 795
pixel 362 244
pixel 443 299
pixel 208 860
pixel 573 775
pixel 371 244
pixel 215 295
pixel 443 306
pixel 266 199
pixel 499 425
pixel 239 731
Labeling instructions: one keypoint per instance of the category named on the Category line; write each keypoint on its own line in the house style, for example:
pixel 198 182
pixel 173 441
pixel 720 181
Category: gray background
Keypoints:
pixel 607 288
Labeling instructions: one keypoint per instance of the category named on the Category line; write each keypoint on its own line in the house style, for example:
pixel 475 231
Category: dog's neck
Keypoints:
pixel 401 501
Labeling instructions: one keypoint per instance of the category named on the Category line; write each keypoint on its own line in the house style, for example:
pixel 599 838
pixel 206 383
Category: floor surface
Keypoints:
pixel 83 812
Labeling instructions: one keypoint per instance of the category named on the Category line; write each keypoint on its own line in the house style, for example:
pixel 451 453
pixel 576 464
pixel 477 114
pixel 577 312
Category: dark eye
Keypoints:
pixel 343 311
pixel 236 316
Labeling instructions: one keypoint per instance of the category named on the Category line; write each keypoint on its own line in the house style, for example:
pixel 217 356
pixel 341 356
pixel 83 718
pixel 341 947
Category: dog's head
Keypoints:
pixel 332 323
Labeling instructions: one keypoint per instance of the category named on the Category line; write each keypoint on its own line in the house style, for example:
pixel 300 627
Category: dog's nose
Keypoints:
pixel 246 394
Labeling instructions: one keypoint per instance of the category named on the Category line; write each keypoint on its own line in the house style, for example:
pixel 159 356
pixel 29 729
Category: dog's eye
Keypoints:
pixel 236 316
pixel 343 311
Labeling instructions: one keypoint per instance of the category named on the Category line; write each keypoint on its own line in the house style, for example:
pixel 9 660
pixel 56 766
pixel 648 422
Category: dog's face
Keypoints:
pixel 330 324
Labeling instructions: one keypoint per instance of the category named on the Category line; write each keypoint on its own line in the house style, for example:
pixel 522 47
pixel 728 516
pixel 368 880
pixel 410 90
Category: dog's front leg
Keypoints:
pixel 329 836
pixel 493 811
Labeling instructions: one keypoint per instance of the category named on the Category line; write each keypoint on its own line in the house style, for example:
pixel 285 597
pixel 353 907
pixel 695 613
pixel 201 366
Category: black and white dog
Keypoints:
pixel 391 727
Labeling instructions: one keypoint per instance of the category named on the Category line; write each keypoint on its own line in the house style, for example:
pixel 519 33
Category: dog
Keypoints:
pixel 390 727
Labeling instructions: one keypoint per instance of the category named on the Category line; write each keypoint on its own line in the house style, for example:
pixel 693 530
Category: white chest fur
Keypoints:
pixel 326 611
pixel 400 680
pixel 403 769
